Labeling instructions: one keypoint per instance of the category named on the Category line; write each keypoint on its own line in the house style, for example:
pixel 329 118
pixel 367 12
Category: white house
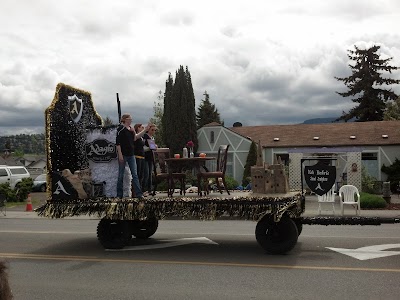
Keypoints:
pixel 358 144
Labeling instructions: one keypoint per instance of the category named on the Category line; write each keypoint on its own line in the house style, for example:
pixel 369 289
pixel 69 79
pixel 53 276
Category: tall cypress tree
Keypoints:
pixel 191 111
pixel 207 113
pixel 250 161
pixel 168 103
pixel 157 119
pixel 179 119
pixel 365 83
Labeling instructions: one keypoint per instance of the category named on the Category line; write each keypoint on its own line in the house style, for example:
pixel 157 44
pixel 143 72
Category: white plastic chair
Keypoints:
pixel 349 191
pixel 329 197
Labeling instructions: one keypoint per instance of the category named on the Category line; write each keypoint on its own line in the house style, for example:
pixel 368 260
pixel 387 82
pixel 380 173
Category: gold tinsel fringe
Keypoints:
pixel 204 208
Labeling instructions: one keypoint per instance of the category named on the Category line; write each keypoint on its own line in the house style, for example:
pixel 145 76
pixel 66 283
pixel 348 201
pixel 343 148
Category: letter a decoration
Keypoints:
pixel 75 108
pixel 320 177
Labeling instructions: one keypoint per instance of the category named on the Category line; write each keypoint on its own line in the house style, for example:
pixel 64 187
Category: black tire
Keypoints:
pixel 276 238
pixel 43 188
pixel 144 229
pixel 112 234
pixel 299 225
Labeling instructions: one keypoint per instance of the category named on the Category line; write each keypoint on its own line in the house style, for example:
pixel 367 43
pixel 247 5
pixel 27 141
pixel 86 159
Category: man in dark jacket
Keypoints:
pixel 126 137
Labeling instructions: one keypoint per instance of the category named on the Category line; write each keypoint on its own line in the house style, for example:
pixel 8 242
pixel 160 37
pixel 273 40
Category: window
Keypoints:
pixel 369 161
pixel 212 137
pixel 284 157
pixel 3 172
pixel 18 171
pixel 369 156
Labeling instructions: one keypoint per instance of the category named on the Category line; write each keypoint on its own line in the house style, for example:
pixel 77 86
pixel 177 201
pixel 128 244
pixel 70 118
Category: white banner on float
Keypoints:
pixel 103 161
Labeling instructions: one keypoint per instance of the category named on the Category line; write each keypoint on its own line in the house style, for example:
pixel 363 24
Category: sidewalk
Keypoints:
pixel 311 210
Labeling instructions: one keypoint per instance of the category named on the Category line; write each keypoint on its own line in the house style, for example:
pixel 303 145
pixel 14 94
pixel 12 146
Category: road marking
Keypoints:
pixel 369 252
pixel 168 243
pixel 172 262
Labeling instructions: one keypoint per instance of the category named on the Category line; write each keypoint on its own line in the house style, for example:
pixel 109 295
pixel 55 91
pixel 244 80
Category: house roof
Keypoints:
pixel 10 161
pixel 212 124
pixel 324 135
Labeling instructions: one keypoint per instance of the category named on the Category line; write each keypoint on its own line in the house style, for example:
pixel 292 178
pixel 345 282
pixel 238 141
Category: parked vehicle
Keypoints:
pixel 192 189
pixel 39 183
pixel 13 175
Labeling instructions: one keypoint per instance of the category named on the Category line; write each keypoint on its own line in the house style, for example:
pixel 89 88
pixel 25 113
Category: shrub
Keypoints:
pixel 368 183
pixel 372 201
pixel 231 182
pixel 393 172
pixel 21 191
pixel 24 188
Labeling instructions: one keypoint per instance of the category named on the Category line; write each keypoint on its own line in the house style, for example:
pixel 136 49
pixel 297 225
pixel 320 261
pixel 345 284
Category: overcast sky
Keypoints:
pixel 262 62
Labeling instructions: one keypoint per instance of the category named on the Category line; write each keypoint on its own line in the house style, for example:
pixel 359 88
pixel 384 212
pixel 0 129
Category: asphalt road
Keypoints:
pixel 62 259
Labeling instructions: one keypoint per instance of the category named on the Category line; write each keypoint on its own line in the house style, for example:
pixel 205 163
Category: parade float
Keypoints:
pixel 82 171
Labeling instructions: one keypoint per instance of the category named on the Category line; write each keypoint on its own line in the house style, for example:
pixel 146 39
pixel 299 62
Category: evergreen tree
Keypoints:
pixel 365 85
pixel 250 161
pixel 157 119
pixel 392 111
pixel 28 144
pixel 207 113
pixel 107 121
pixel 179 118
pixel 166 120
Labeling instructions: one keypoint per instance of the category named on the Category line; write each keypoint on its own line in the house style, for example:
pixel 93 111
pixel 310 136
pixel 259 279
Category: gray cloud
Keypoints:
pixel 266 64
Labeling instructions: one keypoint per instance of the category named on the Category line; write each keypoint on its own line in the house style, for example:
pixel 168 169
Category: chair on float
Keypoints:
pixel 161 172
pixel 218 173
pixel 328 198
pixel 347 195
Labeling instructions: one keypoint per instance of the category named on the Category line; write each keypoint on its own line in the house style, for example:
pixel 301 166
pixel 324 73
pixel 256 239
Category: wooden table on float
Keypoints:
pixel 179 164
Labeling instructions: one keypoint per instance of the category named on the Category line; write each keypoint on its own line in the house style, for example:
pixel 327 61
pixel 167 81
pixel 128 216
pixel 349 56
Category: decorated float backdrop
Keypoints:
pixel 81 154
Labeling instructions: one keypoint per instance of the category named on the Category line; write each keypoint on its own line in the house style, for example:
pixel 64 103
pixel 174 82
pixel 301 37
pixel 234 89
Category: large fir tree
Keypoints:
pixel 207 113
pixel 179 118
pixel 365 85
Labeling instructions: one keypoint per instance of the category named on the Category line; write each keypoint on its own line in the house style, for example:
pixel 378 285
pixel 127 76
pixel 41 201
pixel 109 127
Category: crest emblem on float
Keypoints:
pixel 320 177
pixel 75 108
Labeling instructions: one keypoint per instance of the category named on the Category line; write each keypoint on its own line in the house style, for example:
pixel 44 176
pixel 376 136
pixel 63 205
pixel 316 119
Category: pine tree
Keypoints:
pixel 179 118
pixel 392 111
pixel 107 121
pixel 207 113
pixel 365 85
pixel 250 161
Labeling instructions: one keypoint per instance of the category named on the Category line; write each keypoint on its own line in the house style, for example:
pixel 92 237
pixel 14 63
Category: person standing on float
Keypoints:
pixel 139 155
pixel 149 147
pixel 126 137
